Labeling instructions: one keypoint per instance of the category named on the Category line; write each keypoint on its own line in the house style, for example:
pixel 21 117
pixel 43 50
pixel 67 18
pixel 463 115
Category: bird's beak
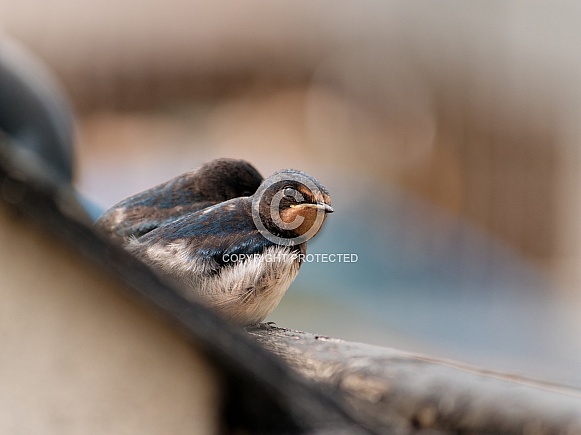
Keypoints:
pixel 326 207
pixel 321 206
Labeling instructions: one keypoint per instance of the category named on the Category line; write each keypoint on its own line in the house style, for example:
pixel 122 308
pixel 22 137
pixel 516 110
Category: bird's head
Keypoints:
pixel 291 205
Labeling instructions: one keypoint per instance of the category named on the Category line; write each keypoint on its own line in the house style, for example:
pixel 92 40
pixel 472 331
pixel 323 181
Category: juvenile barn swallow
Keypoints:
pixel 241 255
pixel 211 183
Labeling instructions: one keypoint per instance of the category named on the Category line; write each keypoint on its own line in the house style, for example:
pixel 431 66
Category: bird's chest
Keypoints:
pixel 249 290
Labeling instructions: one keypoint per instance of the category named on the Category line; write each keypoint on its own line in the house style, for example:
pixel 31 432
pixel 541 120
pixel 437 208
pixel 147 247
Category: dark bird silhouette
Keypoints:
pixel 211 183
pixel 241 255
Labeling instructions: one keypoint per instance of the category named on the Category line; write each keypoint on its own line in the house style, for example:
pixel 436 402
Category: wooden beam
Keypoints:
pixel 395 391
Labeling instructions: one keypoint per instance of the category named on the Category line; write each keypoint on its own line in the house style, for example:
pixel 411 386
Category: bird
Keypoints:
pixel 212 183
pixel 240 256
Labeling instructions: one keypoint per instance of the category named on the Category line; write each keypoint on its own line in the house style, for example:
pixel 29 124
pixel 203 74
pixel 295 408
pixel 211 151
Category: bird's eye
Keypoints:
pixel 289 192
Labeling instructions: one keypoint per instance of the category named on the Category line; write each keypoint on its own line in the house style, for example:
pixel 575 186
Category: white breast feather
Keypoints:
pixel 245 293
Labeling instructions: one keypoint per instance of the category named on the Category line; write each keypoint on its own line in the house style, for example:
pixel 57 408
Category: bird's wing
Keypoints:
pixel 203 242
pixel 128 219
pixel 195 190
pixel 147 210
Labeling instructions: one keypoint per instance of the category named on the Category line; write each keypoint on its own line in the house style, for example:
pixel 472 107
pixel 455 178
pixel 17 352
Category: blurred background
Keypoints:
pixel 447 133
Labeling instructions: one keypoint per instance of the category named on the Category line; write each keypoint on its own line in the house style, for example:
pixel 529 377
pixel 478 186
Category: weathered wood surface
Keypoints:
pixel 395 391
